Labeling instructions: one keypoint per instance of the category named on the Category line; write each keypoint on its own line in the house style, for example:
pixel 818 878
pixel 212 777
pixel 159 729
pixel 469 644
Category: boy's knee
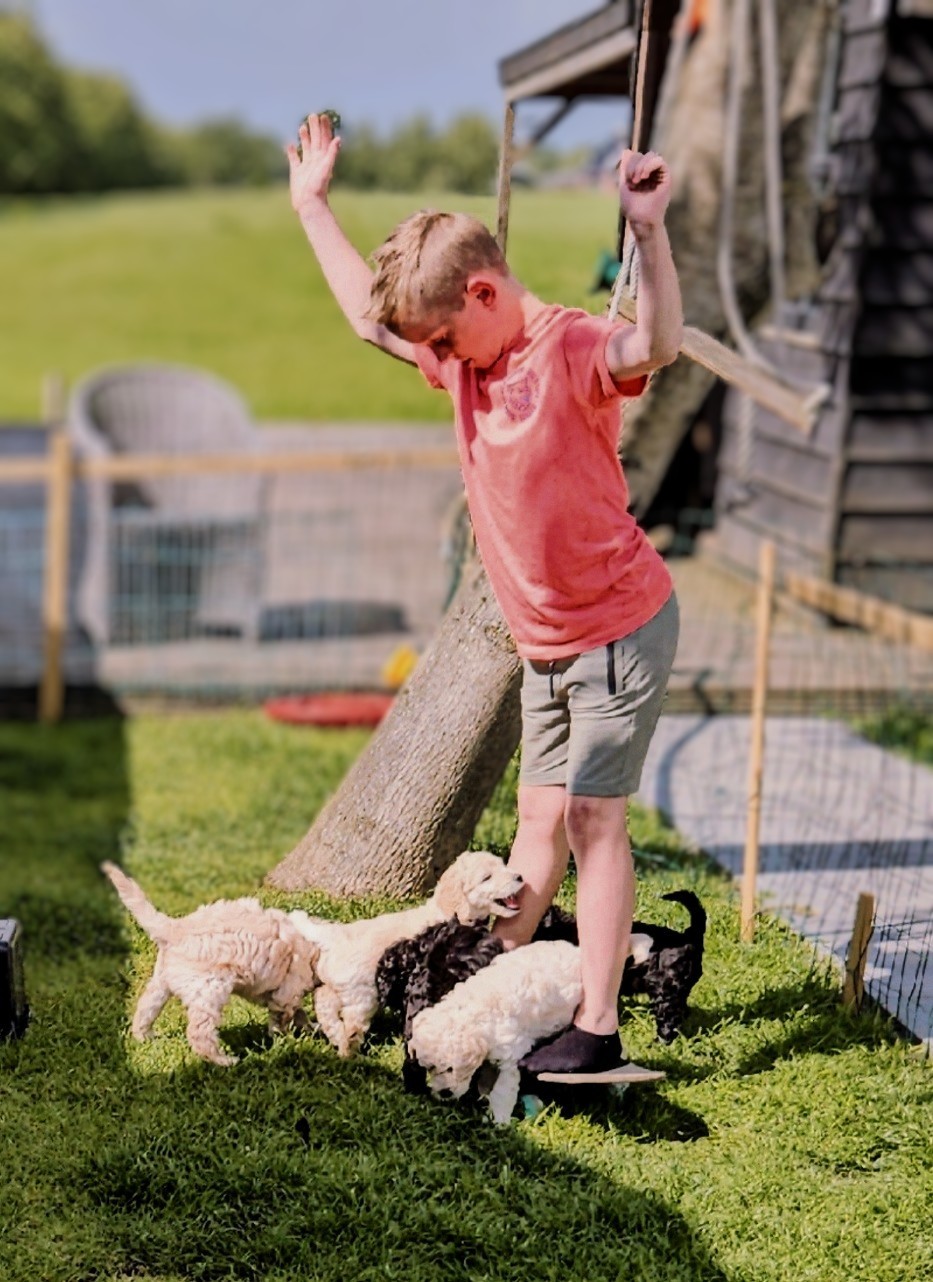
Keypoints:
pixel 541 808
pixel 592 818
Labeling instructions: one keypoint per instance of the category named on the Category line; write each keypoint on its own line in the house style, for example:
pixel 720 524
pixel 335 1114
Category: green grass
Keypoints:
pixel 790 1139
pixel 225 280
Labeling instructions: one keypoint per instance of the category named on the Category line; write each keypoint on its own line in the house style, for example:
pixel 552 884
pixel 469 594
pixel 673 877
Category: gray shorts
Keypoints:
pixel 587 720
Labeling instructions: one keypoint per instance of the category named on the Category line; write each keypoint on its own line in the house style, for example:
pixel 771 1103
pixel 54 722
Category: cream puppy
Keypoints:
pixel 231 946
pixel 496 1016
pixel 477 885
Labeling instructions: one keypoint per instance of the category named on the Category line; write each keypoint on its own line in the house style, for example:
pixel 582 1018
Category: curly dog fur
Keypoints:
pixel 230 946
pixel 416 973
pixel 476 886
pixel 496 1016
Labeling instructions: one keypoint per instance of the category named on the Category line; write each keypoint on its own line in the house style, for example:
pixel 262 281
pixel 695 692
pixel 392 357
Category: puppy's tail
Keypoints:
pixel 697 927
pixel 156 925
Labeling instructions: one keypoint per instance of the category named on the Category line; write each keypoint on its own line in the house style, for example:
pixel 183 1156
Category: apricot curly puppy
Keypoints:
pixel 476 886
pixel 231 946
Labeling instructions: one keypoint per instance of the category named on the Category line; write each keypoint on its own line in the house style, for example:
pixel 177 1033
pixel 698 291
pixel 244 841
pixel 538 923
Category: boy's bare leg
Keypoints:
pixel 540 853
pixel 598 832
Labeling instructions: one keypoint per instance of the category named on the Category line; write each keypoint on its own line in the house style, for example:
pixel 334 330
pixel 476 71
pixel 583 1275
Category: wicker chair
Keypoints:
pixel 168 557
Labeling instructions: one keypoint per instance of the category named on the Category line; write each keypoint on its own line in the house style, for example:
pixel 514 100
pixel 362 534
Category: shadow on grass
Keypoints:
pixel 64 795
pixel 301 1165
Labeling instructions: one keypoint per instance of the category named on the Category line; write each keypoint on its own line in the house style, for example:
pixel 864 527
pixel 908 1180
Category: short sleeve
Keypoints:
pixel 585 350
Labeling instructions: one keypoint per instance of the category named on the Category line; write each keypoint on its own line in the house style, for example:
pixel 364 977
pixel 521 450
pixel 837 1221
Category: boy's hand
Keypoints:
pixel 310 173
pixel 644 188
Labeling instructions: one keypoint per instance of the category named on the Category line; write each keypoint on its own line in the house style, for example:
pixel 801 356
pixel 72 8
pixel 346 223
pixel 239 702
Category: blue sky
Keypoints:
pixel 269 62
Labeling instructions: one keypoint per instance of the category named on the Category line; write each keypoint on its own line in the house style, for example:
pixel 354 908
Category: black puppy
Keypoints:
pixel 418 972
pixel 665 964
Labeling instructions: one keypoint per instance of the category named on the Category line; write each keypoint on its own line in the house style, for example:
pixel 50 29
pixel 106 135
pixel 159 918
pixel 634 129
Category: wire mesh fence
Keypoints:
pixel 342 560
pixel 846 804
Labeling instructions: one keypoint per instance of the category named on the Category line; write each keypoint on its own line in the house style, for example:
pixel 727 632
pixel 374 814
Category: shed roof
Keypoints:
pixel 589 57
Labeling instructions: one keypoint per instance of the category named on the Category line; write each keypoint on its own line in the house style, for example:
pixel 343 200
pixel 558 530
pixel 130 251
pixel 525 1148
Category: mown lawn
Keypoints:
pixel 789 1140
pixel 225 280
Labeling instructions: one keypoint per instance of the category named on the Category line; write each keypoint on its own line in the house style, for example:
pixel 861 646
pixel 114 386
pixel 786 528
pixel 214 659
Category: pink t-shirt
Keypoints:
pixel 537 434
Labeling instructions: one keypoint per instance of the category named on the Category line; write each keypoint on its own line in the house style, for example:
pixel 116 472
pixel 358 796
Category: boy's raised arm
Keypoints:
pixel 344 268
pixel 644 193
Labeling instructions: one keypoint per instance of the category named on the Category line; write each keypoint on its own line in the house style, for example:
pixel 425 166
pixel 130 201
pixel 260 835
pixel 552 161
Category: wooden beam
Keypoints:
pixel 786 402
pixel 133 467
pixel 892 622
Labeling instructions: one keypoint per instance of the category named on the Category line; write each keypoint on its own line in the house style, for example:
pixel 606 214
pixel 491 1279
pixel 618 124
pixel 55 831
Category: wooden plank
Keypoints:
pixel 569 75
pixel 869 613
pixel 133 467
pixel 892 438
pixel 570 39
pixel 793 407
pixel 882 538
pixel 798 473
pixel 863 58
pixel 15 471
pixel 911 586
pixel 857 113
pixel 888 488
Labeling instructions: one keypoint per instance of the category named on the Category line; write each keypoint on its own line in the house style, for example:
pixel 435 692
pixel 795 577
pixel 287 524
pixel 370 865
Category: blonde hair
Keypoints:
pixel 423 267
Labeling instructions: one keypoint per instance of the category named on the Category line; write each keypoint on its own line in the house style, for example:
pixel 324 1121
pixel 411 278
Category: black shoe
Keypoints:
pixel 576 1057
pixel 576 1051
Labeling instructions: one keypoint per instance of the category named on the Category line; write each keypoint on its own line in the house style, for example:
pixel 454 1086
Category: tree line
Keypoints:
pixel 69 131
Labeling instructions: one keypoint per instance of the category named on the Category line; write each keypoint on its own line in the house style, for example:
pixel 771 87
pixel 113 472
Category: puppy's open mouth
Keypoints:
pixel 507 906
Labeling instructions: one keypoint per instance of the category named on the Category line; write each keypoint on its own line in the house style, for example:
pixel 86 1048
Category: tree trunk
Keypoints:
pixel 409 804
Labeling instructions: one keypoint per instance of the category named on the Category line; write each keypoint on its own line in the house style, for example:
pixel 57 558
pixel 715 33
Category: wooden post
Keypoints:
pixel 57 531
pixel 505 176
pixel 766 562
pixel 853 990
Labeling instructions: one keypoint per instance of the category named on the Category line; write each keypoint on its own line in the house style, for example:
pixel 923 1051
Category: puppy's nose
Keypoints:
pixel 519 878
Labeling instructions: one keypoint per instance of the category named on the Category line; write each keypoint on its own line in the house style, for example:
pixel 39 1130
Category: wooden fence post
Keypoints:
pixel 766 561
pixel 57 534
pixel 853 990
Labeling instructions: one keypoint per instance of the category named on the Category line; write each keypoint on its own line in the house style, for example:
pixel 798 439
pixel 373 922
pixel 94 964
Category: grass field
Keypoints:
pixel 226 281
pixel 789 1141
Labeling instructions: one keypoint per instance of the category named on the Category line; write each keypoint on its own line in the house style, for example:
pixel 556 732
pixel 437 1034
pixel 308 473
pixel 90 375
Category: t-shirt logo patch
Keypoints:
pixel 520 395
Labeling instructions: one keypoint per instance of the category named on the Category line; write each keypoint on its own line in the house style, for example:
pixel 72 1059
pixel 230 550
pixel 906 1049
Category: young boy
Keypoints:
pixel 536 391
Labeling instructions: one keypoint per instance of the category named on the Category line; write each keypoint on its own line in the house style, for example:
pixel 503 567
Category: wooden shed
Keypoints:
pixel 852 501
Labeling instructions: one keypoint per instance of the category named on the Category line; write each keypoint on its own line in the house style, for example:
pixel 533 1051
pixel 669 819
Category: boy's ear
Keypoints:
pixel 483 289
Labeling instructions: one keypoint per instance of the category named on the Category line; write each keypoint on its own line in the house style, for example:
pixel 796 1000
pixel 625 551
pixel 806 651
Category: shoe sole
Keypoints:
pixel 624 1073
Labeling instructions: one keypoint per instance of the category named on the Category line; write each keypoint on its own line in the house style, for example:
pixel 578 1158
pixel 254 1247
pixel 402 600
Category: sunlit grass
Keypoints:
pixel 225 280
pixel 790 1139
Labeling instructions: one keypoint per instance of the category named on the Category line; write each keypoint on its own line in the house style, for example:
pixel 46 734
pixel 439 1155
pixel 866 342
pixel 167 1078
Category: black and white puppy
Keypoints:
pixel 417 973
pixel 665 964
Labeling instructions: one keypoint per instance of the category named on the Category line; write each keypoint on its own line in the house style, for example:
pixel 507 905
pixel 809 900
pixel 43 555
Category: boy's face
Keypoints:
pixel 470 335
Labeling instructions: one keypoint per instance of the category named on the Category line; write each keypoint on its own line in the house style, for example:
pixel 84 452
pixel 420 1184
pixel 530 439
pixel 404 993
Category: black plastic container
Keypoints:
pixel 14 1011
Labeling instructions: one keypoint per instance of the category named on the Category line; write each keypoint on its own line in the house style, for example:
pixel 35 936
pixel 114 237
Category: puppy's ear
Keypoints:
pixel 448 893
